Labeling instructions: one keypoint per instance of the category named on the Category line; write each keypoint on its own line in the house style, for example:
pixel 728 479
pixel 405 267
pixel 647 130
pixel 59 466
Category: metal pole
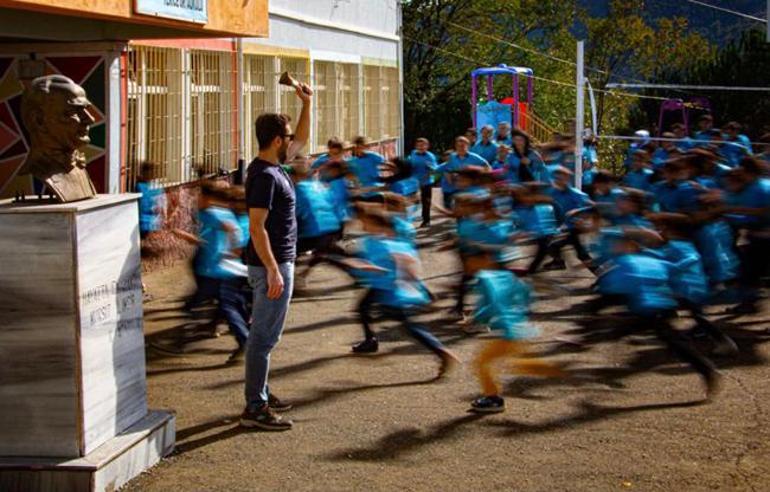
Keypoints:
pixel 242 119
pixel 516 100
pixel 579 117
pixel 474 98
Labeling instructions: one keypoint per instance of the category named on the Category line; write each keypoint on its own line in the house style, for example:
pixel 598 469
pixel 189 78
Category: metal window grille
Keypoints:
pixel 155 119
pixel 260 80
pixel 325 86
pixel 349 98
pixel 373 104
pixel 214 111
pixel 391 95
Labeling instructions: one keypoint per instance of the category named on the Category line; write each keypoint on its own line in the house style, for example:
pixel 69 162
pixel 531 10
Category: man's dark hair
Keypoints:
pixel 269 126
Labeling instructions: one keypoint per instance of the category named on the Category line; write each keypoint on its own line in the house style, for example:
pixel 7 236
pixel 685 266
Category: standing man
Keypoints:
pixel 423 166
pixel 271 202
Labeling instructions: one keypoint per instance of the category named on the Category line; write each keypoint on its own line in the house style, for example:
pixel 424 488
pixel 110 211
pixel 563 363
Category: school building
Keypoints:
pixel 180 82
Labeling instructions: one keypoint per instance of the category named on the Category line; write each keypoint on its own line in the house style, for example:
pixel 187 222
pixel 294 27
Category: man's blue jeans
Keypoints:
pixel 267 320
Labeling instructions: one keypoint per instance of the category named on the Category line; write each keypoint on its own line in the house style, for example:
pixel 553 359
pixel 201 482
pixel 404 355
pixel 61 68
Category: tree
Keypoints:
pixel 444 40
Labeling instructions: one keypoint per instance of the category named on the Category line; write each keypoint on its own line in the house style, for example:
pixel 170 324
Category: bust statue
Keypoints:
pixel 55 111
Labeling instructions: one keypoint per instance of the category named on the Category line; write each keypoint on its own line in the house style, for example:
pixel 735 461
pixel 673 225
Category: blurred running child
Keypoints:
pixel 502 304
pixel 217 267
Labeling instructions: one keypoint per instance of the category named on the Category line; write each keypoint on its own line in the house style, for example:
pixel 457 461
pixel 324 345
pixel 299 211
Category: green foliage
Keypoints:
pixel 445 39
pixel 742 63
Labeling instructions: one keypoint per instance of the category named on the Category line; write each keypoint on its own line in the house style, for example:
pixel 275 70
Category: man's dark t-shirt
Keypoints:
pixel 268 186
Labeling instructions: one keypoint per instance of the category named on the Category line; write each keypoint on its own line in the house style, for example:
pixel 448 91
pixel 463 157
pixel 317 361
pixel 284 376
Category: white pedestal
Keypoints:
pixel 72 369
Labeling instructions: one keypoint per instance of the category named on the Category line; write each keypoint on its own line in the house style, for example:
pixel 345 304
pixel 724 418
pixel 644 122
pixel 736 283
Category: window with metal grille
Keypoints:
pixel 214 111
pixel 325 87
pixel 349 98
pixel 373 104
pixel 155 122
pixel 260 82
pixel 391 94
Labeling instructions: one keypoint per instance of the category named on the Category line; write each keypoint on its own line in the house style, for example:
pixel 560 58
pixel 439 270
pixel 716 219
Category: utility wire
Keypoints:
pixel 475 62
pixel 690 87
pixel 722 9
pixel 541 53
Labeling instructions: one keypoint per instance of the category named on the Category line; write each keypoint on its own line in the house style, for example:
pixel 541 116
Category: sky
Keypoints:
pixel 719 27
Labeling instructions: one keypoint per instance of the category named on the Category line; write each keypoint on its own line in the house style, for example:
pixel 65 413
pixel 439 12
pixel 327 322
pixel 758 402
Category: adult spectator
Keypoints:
pixel 271 201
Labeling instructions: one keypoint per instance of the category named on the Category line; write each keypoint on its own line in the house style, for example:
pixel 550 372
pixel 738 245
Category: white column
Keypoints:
pixel 579 116
pixel 113 154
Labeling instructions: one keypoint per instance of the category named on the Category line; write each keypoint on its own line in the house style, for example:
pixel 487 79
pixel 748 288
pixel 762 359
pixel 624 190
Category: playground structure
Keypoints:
pixel 519 113
pixel 686 109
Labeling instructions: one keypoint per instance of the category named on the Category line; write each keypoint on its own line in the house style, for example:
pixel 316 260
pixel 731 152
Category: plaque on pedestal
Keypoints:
pixel 72 368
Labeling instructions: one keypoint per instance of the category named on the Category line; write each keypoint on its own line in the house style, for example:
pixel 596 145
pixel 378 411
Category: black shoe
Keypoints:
pixel 277 405
pixel 488 404
pixel 555 265
pixel 368 346
pixel 237 355
pixel 264 419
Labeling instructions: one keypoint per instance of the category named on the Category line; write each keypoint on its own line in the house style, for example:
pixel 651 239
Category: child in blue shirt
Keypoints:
pixel 365 164
pixel 395 289
pixel 736 145
pixel 639 176
pixel 152 201
pixel 748 208
pixel 535 216
pixel 644 281
pixel 319 227
pixel 424 165
pixel 458 160
pixel 405 184
pixel 688 277
pixel 219 239
pixel 503 301
pixel 486 147
pixel 567 199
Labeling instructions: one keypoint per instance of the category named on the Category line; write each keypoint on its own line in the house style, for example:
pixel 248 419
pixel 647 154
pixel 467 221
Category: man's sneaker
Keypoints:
pixel 488 404
pixel 277 405
pixel 368 346
pixel 265 419
pixel 555 265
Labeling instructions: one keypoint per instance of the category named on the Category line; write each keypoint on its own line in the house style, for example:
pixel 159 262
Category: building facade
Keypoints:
pixel 184 93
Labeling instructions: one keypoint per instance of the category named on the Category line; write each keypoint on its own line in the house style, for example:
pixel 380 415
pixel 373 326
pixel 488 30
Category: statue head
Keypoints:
pixel 55 112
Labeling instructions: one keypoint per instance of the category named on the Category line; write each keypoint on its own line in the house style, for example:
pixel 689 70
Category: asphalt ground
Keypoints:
pixel 628 416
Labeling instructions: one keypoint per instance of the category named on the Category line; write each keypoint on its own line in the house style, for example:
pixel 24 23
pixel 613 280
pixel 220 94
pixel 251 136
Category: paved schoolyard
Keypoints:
pixel 629 417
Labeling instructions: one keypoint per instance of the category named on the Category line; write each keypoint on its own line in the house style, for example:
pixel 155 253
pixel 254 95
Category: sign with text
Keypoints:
pixel 186 10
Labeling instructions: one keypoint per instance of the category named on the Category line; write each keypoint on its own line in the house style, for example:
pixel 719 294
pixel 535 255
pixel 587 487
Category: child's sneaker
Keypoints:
pixel 368 346
pixel 488 404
